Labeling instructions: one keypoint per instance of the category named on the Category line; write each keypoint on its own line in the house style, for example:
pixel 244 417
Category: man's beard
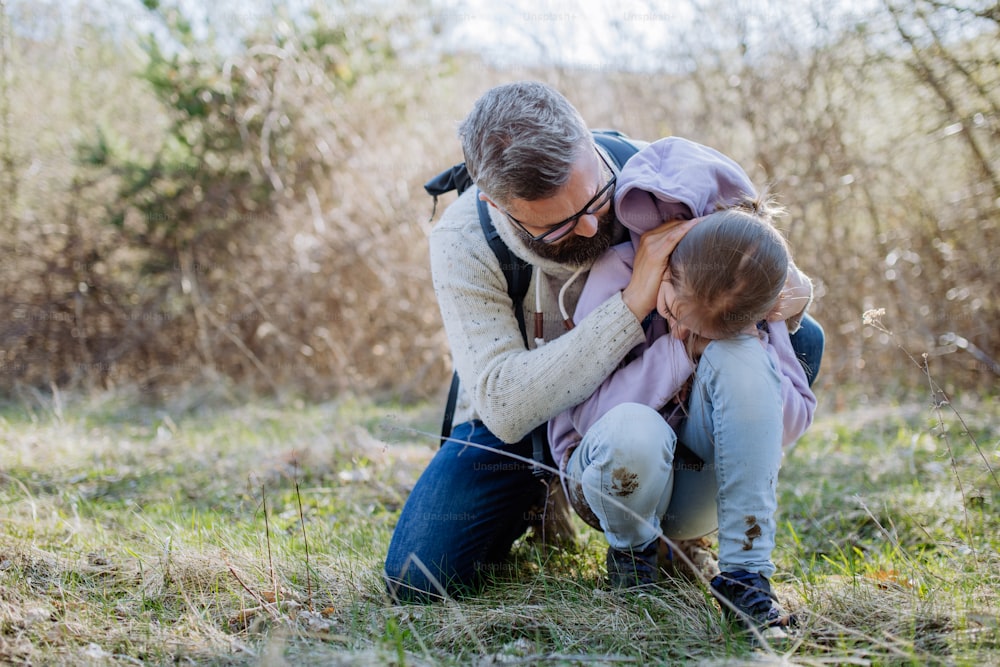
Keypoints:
pixel 576 250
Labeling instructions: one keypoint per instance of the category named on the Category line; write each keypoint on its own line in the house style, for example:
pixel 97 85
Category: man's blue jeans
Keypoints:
pixel 462 517
pixel 808 343
pixel 470 505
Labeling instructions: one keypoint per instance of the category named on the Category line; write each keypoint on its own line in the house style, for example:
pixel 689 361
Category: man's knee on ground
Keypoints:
pixel 410 584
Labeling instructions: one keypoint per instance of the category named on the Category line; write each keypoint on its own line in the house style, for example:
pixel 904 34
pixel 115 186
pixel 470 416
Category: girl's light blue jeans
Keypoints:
pixel 630 475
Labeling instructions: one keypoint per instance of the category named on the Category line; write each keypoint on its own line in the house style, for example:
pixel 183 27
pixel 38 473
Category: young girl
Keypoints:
pixel 636 457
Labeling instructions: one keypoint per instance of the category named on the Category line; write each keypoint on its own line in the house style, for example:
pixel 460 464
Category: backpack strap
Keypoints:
pixel 449 408
pixel 515 270
pixel 616 144
pixel 518 275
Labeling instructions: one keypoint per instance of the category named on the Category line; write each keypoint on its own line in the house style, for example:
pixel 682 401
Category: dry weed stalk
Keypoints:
pixel 271 600
pixel 305 539
pixel 939 401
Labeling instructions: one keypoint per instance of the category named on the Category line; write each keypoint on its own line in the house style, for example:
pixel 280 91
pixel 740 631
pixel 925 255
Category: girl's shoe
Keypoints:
pixel 632 568
pixel 750 593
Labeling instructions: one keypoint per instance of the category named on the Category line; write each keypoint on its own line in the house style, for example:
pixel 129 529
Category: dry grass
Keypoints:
pixel 138 535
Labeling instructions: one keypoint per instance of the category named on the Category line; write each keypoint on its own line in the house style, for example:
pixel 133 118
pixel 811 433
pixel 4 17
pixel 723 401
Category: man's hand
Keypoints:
pixel 794 296
pixel 651 260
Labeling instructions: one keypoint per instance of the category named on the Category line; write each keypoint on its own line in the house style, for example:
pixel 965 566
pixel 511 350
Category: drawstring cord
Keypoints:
pixel 567 320
pixel 539 317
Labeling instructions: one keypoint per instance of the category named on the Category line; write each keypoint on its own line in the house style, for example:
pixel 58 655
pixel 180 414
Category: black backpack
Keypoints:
pixel 516 271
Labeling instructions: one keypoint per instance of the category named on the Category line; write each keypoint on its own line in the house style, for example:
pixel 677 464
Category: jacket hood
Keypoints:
pixel 675 178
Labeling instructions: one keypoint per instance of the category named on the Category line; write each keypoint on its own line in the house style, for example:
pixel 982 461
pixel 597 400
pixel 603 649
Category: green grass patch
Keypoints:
pixel 254 534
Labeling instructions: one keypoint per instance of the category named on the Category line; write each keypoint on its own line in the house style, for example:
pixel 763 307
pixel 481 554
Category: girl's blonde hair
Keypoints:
pixel 731 266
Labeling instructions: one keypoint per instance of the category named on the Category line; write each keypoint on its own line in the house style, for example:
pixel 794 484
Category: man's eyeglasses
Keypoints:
pixel 561 229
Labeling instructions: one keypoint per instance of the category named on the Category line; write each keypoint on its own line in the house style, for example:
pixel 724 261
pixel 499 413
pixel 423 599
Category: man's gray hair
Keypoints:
pixel 521 141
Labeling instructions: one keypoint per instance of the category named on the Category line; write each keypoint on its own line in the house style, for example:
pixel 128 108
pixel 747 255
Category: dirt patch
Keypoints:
pixel 753 531
pixel 624 482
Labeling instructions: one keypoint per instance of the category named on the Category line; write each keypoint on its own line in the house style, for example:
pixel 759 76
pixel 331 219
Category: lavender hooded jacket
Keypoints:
pixel 670 179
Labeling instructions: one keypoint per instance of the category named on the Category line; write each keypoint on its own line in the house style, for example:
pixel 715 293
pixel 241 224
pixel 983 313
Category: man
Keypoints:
pixel 549 191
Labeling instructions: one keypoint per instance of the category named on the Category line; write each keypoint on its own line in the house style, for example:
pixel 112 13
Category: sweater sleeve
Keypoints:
pixel 515 389
pixel 798 401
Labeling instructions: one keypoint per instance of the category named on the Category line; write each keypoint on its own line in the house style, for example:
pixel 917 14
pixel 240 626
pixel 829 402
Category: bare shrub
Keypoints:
pixel 267 236
pixel 254 217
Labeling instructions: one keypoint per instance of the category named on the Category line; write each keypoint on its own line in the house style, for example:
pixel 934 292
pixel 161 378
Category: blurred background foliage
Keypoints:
pixel 184 203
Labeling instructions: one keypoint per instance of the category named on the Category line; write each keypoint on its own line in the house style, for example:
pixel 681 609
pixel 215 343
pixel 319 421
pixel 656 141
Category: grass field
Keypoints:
pixel 214 532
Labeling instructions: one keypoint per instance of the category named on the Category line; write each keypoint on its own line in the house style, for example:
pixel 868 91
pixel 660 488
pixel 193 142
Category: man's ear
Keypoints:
pixel 483 197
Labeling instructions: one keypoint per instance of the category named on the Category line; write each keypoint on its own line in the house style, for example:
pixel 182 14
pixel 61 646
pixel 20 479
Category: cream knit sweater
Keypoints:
pixel 510 388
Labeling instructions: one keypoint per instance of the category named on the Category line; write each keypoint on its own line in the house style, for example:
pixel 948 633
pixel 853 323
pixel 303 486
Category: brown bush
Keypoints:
pixel 257 217
pixel 267 236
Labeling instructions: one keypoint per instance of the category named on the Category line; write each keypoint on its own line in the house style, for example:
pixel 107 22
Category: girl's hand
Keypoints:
pixel 682 394
pixel 794 296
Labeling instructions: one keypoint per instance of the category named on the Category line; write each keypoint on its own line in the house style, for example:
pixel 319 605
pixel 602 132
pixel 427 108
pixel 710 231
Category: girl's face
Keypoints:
pixel 675 311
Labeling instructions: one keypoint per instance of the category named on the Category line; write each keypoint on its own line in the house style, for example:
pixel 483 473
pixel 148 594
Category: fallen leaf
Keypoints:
pixel 889 578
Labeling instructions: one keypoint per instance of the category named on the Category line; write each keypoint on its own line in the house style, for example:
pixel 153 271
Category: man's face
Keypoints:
pixel 590 223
